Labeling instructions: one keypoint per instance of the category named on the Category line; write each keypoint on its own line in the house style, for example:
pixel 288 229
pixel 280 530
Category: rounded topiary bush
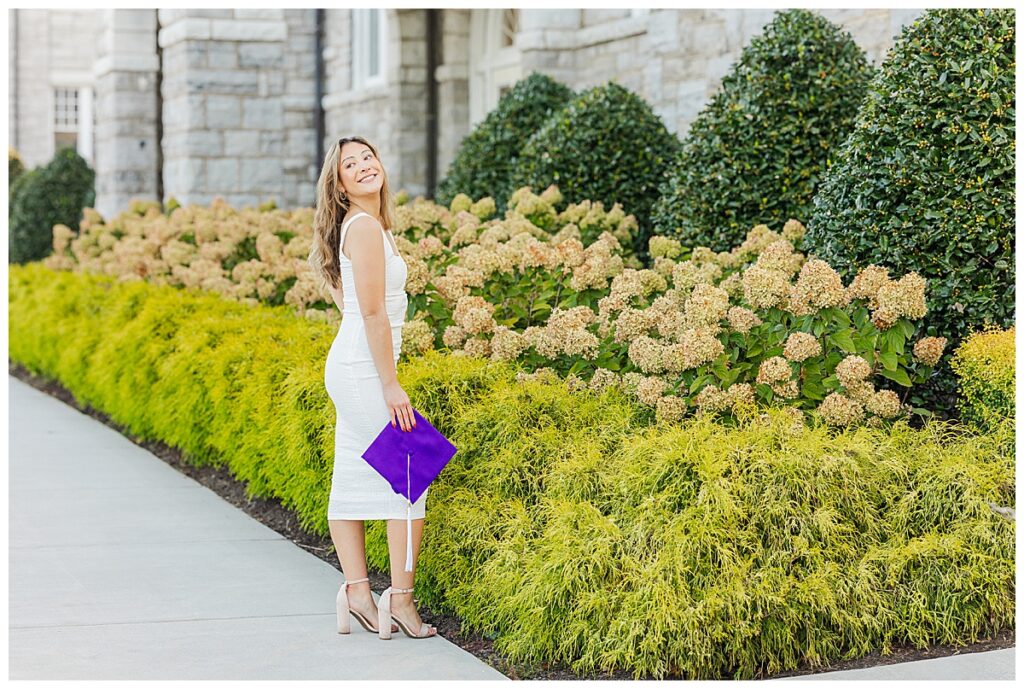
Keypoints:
pixel 47 196
pixel 486 156
pixel 926 181
pixel 759 149
pixel 607 145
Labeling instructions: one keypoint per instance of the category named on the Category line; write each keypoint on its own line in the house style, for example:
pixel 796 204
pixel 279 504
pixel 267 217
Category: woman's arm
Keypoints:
pixel 365 243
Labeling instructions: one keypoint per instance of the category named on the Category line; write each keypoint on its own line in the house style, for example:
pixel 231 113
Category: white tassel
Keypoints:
pixel 408 516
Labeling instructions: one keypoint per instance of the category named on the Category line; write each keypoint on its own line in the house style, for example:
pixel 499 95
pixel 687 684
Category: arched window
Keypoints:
pixel 495 64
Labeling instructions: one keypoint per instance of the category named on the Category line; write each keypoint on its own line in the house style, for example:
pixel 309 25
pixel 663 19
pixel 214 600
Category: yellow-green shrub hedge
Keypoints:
pixel 563 525
pixel 985 364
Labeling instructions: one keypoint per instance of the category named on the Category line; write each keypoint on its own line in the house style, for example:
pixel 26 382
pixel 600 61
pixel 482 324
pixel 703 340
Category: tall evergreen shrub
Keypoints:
pixel 44 197
pixel 487 155
pixel 926 181
pixel 759 149
pixel 607 145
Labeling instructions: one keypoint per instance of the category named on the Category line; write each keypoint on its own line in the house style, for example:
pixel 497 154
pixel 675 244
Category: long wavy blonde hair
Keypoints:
pixel 331 206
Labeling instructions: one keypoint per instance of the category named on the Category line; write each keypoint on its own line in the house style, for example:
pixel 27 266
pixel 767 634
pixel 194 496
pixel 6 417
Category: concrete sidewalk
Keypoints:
pixel 968 666
pixel 123 568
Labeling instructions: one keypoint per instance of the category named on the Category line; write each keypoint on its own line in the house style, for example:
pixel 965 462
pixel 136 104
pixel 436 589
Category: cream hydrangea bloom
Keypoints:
pixel 764 288
pixel 670 409
pixel 928 350
pixel 884 403
pixel 507 344
pixel 646 353
pixel 801 346
pixel 604 379
pixel 839 410
pixel 852 369
pixel 773 370
pixel 417 336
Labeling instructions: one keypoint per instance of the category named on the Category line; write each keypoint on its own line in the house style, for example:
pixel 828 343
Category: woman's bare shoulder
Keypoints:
pixel 366 225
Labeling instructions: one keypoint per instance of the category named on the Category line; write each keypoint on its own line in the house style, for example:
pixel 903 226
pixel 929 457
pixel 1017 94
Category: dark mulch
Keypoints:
pixel 272 514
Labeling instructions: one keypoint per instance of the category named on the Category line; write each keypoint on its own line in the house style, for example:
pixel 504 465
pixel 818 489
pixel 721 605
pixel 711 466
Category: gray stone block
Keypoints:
pixel 184 114
pixel 270 83
pixel 260 55
pixel 222 175
pixel 222 54
pixel 204 143
pixel 223 112
pixel 259 14
pixel 260 174
pixel 222 81
pixel 298 119
pixel 262 113
pixel 301 143
pixel 248 30
pixel 242 143
pixel 184 175
pixel 272 142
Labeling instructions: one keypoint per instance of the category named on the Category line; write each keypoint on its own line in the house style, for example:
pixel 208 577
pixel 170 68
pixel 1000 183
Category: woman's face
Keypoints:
pixel 361 173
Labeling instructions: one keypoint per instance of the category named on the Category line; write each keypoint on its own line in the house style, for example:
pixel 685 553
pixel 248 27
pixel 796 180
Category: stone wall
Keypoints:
pixel 391 116
pixel 366 112
pixel 674 58
pixel 238 86
pixel 299 155
pixel 48 54
pixel 126 109
pixel 225 100
pixel 452 87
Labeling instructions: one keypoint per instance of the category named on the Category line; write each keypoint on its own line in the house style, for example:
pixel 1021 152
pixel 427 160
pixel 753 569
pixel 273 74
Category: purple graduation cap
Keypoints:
pixel 409 461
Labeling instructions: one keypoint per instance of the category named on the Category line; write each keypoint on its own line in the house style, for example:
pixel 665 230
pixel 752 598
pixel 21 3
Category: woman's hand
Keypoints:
pixel 399 406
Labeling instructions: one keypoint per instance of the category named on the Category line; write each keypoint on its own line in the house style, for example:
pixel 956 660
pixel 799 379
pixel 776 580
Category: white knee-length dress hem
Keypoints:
pixel 354 385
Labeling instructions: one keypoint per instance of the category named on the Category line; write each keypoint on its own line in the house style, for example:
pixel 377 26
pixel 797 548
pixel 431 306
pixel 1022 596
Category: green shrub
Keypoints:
pixel 27 177
pixel 985 364
pixel 55 194
pixel 563 525
pixel 926 181
pixel 607 145
pixel 486 157
pixel 759 149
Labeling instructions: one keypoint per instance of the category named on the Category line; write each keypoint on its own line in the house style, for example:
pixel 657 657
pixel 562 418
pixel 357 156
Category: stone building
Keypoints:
pixel 235 103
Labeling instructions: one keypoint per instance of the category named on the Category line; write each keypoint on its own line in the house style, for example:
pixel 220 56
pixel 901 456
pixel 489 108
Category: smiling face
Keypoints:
pixel 360 171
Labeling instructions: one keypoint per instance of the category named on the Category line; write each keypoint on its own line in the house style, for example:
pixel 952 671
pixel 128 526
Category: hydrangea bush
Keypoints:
pixel 560 294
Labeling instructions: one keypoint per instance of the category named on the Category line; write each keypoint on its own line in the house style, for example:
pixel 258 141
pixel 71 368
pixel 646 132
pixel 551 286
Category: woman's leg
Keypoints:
pixel 349 538
pixel 401 603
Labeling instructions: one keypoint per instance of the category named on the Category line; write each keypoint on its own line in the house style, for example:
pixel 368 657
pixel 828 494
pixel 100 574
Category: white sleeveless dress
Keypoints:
pixel 353 383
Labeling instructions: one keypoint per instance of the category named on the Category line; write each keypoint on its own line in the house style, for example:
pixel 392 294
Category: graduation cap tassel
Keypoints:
pixel 408 515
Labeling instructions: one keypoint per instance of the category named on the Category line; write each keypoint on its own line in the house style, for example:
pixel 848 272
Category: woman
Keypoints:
pixel 358 261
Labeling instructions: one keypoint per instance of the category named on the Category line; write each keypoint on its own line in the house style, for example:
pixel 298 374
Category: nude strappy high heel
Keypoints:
pixel 384 618
pixel 344 610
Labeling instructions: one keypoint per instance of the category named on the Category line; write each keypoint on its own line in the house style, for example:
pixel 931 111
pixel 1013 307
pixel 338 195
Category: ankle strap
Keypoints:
pixel 396 590
pixel 357 581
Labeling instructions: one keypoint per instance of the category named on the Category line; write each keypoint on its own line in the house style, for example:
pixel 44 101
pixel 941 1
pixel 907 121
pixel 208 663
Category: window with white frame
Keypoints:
pixel 65 117
pixel 369 33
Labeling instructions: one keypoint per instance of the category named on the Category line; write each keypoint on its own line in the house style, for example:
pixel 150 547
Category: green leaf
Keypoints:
pixel 842 318
pixel 889 360
pixel 813 390
pixel 899 375
pixel 843 340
